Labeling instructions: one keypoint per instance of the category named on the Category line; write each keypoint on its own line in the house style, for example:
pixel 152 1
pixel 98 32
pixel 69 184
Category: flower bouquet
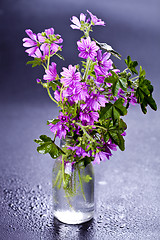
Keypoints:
pixel 92 96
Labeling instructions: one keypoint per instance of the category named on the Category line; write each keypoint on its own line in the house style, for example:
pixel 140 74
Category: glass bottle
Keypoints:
pixel 73 199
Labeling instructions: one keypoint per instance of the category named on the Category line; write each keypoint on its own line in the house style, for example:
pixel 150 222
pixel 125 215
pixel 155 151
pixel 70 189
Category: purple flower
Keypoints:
pixel 104 63
pixel 79 151
pixel 76 22
pixel 57 95
pixel 49 34
pixel 88 118
pixel 120 94
pixel 87 48
pixel 133 99
pixel 100 156
pixel 80 92
pixel 105 151
pixel 51 74
pixel 70 76
pixel 110 145
pixel 31 42
pixel 95 102
pixel 53 48
pixel 60 127
pixel 95 20
pixel 114 70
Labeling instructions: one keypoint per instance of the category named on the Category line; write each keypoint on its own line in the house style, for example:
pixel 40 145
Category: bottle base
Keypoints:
pixel 73 217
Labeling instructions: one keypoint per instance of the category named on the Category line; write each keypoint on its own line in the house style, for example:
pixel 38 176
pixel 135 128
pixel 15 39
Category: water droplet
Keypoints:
pixel 39 187
pixel 123 225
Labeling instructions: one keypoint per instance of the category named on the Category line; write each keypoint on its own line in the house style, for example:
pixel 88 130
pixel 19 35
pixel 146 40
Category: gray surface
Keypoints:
pixel 127 187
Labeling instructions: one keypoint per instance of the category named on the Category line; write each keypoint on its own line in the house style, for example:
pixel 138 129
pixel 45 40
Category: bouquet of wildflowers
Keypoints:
pixel 92 96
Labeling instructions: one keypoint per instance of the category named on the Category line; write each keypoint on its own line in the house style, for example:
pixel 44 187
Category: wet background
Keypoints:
pixel 127 186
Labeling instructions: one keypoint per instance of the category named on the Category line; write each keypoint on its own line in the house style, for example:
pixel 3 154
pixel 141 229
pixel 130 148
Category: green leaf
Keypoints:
pixel 60 56
pixel 117 83
pixel 54 152
pixel 144 93
pixel 53 121
pixel 45 138
pixel 152 103
pixel 35 62
pixel 106 137
pixel 113 111
pixel 119 107
pixel 58 83
pixel 131 65
pixel 39 141
pixel 106 112
pixel 108 48
pixel 86 178
pixel 45 148
pixel 48 146
pixel 118 139
pixel 53 85
pixel 142 72
pixel 115 131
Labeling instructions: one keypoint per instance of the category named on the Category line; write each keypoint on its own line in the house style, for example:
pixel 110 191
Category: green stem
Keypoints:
pixel 48 59
pixel 100 127
pixel 85 132
pixel 44 66
pixel 57 179
pixel 86 33
pixel 55 136
pixel 81 184
pixel 134 78
pixel 87 69
pixel 63 170
pixel 51 96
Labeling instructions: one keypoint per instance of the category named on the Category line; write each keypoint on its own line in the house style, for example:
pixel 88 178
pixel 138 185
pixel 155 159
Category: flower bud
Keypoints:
pixel 38 80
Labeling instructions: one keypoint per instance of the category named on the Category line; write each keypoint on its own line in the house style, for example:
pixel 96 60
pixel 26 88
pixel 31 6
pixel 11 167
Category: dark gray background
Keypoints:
pixel 127 186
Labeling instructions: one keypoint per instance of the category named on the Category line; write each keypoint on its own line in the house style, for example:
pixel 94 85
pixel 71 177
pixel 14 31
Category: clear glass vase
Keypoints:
pixel 73 199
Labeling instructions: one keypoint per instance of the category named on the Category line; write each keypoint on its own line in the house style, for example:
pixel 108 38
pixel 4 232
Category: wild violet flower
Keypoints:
pixel 104 64
pixel 76 22
pixel 60 128
pixel 80 92
pixel 97 101
pixel 105 152
pixel 87 48
pixel 132 99
pixel 31 42
pixel 95 20
pixel 52 48
pixel 38 48
pixel 51 74
pixel 70 75
pixel 79 151
pixel 88 117
pixel 110 145
pixel 49 35
pixel 94 102
pixel 101 156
